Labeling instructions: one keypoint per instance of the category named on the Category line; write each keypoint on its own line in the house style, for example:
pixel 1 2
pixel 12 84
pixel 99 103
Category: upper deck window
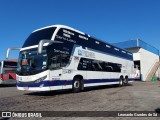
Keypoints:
pixel 35 37
pixel 116 49
pixel 96 42
pixel 123 51
pixel 108 46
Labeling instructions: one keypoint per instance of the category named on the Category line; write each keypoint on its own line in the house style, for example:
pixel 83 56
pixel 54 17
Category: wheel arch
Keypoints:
pixel 126 77
pixel 79 76
pixel 121 77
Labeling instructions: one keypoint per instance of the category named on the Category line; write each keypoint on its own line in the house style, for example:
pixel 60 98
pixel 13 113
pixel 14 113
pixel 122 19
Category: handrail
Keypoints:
pixel 148 73
pixel 151 66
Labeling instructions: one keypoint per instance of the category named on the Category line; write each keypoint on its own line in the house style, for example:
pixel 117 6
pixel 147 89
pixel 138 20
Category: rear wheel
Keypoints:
pixel 126 80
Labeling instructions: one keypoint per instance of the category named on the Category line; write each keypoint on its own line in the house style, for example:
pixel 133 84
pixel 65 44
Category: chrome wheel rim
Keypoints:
pixel 76 84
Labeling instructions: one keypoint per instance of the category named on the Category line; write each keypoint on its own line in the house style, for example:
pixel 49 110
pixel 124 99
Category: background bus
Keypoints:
pixel 8 72
pixel 70 59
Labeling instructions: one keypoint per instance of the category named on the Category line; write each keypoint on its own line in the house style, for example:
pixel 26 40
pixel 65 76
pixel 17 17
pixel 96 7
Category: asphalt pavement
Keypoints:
pixel 138 96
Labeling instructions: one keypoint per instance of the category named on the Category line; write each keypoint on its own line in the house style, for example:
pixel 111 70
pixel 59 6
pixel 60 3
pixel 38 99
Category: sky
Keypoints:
pixel 109 20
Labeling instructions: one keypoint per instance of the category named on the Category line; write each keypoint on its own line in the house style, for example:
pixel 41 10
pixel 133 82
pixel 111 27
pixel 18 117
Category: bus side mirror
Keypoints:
pixel 10 49
pixel 40 45
pixel 42 42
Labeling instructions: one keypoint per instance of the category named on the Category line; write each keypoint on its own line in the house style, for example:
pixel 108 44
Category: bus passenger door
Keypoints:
pixel 55 71
pixel 56 78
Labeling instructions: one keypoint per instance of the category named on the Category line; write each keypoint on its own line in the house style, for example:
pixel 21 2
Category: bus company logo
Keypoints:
pixel 86 53
pixel 79 52
pixel 20 78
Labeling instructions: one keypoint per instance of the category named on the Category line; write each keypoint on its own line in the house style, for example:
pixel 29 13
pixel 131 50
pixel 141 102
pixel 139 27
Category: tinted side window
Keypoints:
pixel 108 67
pixel 58 56
pixel 96 65
pixel 64 59
pixel 83 64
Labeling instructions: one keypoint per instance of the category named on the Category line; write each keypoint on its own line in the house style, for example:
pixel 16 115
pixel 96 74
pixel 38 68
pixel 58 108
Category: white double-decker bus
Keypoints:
pixel 60 57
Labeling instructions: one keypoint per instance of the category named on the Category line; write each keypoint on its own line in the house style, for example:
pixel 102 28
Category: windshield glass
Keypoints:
pixel 31 63
pixel 8 64
pixel 35 37
pixel 58 56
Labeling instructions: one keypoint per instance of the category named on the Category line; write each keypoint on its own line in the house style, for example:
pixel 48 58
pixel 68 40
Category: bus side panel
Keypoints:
pixel 94 77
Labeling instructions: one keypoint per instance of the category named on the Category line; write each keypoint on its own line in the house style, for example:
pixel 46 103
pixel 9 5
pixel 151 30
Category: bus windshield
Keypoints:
pixel 36 36
pixel 31 63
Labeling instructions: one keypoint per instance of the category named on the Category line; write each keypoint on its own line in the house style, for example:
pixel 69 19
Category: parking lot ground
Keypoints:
pixel 138 96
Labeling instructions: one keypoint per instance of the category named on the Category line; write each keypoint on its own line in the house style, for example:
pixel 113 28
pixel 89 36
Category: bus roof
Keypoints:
pixel 60 26
pixel 67 27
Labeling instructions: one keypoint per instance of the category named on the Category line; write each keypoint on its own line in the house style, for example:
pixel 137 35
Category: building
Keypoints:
pixel 145 56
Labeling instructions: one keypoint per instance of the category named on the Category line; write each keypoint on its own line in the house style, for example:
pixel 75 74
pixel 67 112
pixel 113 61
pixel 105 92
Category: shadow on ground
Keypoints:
pixel 69 91
pixel 7 86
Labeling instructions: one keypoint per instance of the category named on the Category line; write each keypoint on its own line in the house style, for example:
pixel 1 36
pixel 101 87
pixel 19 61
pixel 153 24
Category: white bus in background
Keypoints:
pixel 60 57
pixel 8 72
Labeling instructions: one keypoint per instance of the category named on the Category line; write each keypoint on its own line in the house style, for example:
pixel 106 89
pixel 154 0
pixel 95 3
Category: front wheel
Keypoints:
pixel 76 86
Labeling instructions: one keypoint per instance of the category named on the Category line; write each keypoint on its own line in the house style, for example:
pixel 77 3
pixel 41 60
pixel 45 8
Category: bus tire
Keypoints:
pixel 76 86
pixel 126 80
pixel 121 82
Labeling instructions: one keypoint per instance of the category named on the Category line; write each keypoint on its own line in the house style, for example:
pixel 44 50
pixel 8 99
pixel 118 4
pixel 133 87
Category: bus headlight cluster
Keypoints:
pixel 40 79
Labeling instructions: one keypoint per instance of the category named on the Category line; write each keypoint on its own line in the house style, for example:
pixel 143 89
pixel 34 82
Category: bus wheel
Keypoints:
pixel 76 86
pixel 121 82
pixel 126 80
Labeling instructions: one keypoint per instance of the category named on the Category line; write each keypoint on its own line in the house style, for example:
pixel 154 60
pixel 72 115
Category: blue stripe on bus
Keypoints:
pixel 66 82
